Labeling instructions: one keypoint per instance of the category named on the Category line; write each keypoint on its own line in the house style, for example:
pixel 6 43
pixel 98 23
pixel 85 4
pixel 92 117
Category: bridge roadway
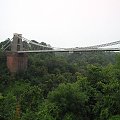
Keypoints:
pixel 71 50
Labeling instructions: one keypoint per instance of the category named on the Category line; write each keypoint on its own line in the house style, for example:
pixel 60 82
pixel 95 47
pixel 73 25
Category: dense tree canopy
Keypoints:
pixel 62 86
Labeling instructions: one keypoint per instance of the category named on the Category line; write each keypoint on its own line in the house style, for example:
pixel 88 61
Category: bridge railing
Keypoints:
pixel 31 43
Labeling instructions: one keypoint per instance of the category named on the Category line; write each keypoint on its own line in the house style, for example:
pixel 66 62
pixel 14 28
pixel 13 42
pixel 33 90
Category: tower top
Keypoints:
pixel 17 44
pixel 16 34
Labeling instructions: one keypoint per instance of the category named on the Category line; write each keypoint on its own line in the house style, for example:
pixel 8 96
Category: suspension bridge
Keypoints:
pixel 18 47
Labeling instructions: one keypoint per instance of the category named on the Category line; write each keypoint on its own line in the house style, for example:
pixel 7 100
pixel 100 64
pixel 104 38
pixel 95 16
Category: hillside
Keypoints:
pixel 62 86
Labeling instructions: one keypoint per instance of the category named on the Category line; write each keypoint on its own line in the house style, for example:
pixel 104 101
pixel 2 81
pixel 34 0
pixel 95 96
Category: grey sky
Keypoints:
pixel 61 23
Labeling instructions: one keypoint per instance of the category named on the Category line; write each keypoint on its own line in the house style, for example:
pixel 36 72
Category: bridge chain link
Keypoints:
pixel 4 47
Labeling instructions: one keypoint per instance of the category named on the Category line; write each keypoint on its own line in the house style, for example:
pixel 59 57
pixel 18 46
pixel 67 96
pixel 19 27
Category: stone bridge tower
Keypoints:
pixel 17 44
pixel 17 62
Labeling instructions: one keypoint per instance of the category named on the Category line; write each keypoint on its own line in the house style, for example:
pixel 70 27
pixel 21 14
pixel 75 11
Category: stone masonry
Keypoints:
pixel 17 62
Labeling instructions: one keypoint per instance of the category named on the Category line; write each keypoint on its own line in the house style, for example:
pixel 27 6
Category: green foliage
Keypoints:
pixel 116 117
pixel 62 86
pixel 48 111
pixel 69 99
pixel 28 115
pixel 8 107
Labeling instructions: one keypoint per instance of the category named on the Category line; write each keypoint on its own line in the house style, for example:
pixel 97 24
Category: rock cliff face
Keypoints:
pixel 17 62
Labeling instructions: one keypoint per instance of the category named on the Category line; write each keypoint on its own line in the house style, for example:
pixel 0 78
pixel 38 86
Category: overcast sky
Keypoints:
pixel 61 23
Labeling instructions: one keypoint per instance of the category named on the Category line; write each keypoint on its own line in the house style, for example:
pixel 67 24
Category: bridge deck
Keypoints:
pixel 72 50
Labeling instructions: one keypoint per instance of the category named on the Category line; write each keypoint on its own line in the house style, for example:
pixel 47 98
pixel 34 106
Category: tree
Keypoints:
pixel 69 99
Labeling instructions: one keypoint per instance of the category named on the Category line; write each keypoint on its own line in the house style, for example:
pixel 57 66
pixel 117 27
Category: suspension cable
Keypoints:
pixel 7 44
